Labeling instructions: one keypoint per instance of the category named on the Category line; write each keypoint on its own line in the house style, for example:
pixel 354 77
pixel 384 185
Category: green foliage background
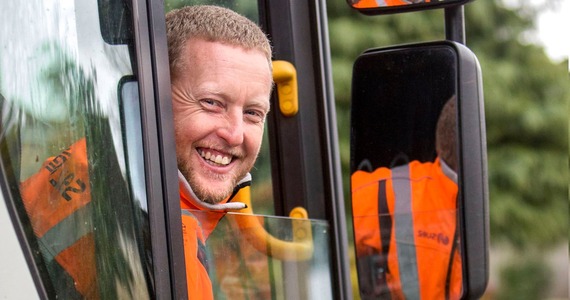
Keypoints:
pixel 526 106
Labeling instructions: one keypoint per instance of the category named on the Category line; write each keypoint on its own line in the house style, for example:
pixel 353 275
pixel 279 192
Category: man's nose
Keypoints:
pixel 233 129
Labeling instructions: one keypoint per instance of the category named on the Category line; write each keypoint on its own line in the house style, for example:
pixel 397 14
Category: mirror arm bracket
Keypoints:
pixel 455 24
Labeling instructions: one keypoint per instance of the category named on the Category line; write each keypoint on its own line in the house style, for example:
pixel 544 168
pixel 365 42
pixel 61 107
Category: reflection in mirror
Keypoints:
pixel 381 3
pixel 404 168
pixel 390 6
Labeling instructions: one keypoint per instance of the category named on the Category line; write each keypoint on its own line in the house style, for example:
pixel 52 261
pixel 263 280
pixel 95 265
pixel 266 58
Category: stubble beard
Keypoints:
pixel 202 190
pixel 205 193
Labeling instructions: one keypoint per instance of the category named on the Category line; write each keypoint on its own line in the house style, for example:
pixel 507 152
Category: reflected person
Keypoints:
pixel 405 223
pixel 383 3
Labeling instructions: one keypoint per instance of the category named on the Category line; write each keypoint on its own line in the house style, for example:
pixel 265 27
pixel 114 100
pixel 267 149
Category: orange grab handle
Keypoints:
pixel 299 249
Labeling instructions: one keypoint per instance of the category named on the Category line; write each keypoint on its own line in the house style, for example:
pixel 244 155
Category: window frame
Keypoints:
pixel 151 68
pixel 158 142
pixel 306 162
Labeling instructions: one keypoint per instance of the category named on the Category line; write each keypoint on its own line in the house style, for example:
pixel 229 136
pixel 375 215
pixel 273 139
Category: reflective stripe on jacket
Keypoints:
pixel 407 215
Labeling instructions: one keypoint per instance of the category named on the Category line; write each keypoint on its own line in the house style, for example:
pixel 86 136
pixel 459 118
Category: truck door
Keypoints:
pixel 79 137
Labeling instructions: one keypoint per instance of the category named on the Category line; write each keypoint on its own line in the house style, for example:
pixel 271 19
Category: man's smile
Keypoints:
pixel 214 157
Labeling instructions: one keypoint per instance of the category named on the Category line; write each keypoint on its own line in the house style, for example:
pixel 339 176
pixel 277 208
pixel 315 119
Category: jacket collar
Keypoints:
pixel 189 199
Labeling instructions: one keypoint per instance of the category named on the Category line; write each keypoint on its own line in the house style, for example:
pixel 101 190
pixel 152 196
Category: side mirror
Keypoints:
pixel 378 7
pixel 418 172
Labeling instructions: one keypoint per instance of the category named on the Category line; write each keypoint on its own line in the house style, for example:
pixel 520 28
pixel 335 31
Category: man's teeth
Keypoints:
pixel 221 160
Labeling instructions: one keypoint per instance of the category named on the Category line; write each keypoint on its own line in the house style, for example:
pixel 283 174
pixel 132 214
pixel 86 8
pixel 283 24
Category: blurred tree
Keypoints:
pixel 515 273
pixel 526 97
pixel 247 8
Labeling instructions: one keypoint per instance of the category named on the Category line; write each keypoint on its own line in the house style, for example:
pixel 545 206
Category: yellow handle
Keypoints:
pixel 285 77
pixel 300 249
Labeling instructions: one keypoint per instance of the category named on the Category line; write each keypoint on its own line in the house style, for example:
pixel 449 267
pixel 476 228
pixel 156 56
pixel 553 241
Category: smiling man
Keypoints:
pixel 220 68
pixel 219 106
pixel 221 84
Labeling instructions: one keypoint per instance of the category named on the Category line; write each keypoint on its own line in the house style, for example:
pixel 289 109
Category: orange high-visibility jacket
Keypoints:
pixel 406 216
pixel 240 270
pixel 195 230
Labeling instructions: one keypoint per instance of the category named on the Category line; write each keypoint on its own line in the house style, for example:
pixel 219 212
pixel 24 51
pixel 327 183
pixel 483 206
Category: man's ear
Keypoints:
pixel 446 133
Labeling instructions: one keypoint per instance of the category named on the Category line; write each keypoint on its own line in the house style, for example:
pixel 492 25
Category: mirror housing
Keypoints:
pixel 397 96
pixel 380 7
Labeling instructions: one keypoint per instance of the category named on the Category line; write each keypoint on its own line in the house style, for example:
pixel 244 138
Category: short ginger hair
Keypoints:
pixel 212 24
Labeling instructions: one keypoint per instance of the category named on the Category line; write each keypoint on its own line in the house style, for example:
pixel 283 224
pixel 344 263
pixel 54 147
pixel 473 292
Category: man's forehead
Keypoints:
pixel 199 46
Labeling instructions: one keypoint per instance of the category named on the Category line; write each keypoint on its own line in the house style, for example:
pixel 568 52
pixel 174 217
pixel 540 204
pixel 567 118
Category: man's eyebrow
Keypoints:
pixel 211 88
pixel 262 104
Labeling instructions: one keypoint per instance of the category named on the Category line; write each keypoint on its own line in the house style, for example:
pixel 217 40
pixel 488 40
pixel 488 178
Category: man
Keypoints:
pixel 221 84
pixel 405 224
pixel 220 67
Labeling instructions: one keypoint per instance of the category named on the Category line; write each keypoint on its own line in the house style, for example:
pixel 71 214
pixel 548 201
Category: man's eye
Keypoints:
pixel 211 104
pixel 208 102
pixel 255 116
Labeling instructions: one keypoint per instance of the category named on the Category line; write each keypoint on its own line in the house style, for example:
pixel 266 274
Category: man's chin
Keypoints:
pixel 211 187
pixel 213 198
pixel 213 194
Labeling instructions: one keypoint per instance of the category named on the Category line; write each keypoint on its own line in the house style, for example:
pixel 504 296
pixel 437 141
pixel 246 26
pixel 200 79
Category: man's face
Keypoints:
pixel 219 101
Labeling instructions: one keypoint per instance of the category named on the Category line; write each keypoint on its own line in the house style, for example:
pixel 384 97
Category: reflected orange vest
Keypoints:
pixel 408 214
pixel 374 3
pixel 57 200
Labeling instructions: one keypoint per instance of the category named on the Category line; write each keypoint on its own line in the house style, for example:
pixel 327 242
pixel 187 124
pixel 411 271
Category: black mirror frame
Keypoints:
pixel 474 214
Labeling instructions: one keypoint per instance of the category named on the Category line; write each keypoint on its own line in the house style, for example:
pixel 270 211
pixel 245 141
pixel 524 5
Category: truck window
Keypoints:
pixel 252 253
pixel 70 132
pixel 267 257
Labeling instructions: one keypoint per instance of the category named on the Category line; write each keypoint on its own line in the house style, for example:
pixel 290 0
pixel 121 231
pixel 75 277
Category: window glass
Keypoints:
pixel 266 257
pixel 71 145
